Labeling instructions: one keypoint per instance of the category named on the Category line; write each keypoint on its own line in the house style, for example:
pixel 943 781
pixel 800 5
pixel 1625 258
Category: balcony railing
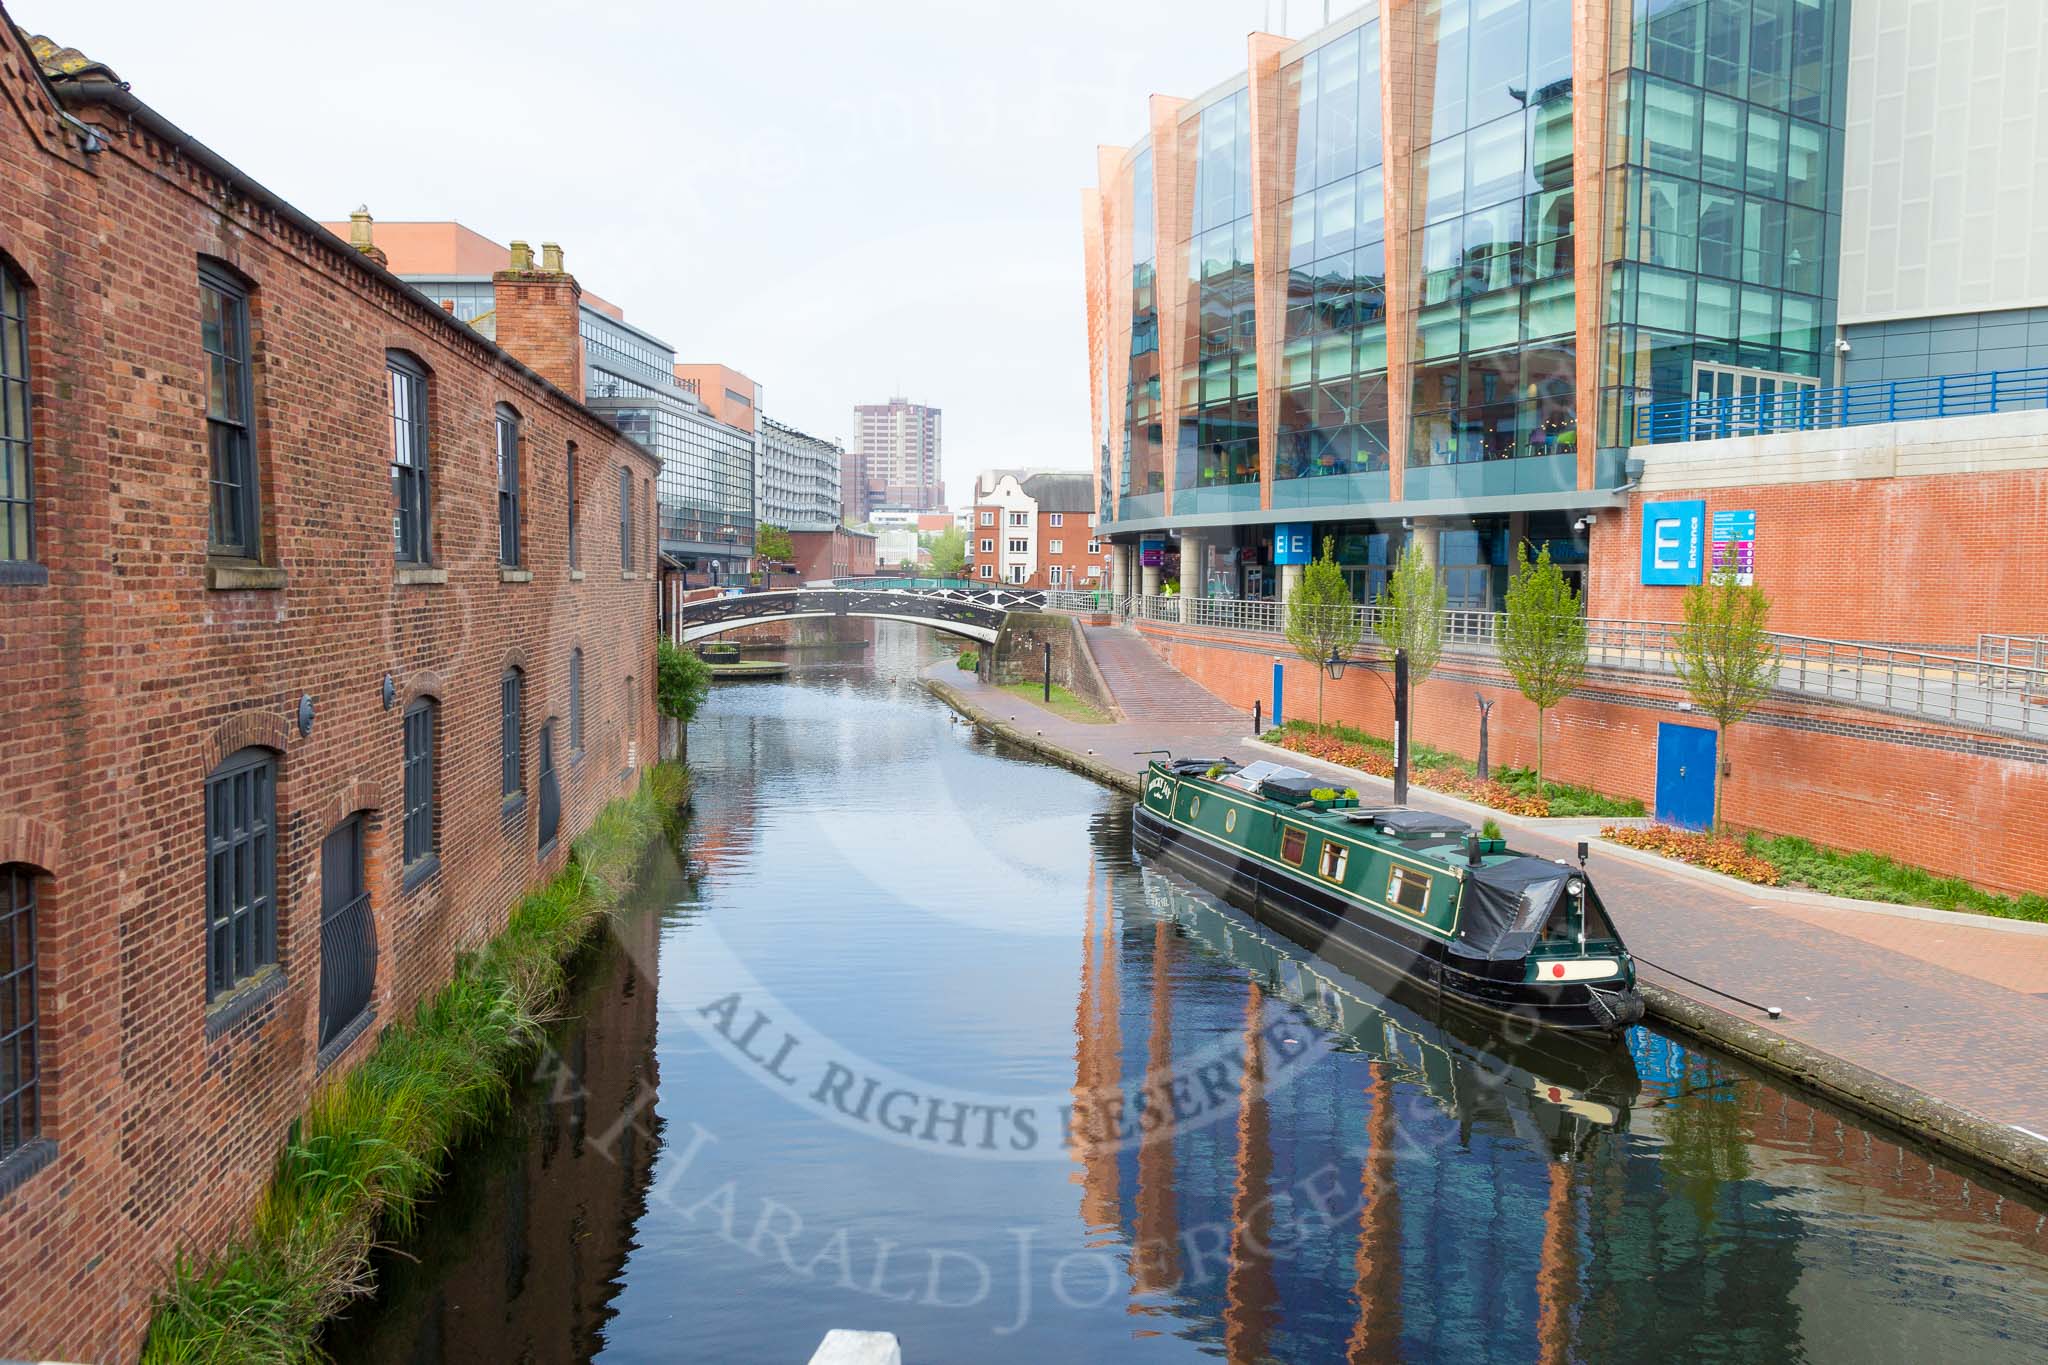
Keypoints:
pixel 1852 405
pixel 2004 688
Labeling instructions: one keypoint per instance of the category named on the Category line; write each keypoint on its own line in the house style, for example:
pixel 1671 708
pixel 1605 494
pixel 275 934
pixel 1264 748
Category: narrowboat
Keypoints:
pixel 1484 928
pixel 1546 1087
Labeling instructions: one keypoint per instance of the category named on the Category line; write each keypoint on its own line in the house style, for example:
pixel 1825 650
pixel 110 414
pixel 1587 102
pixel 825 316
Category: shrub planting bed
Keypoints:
pixel 1513 791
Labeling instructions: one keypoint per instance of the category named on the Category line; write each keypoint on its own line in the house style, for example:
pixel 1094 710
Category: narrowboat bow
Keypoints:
pixel 1488 929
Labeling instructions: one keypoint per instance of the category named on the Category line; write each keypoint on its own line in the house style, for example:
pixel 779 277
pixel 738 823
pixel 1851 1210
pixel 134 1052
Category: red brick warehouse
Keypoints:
pixel 301 621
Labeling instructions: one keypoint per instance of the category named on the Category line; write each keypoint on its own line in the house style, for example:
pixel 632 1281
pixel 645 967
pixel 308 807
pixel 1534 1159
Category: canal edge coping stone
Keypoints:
pixel 1948 1128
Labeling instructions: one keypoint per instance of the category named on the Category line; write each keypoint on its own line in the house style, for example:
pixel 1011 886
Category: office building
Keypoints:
pixel 1674 290
pixel 799 476
pixel 897 445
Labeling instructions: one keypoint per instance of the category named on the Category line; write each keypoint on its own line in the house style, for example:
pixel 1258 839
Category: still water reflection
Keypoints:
pixel 908 1041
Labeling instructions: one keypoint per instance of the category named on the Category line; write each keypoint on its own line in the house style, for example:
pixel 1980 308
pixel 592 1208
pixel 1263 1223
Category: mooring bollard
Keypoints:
pixel 1256 705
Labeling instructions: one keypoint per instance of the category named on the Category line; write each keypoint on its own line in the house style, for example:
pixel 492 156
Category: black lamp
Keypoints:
pixel 1335 664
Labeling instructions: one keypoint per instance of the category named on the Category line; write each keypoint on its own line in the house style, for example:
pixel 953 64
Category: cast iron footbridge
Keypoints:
pixel 976 613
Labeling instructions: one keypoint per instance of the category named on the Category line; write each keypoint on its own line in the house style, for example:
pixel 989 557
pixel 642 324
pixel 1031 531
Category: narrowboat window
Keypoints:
pixel 1293 843
pixel 1194 806
pixel 1230 822
pixel 1561 928
pixel 1408 889
pixel 1335 856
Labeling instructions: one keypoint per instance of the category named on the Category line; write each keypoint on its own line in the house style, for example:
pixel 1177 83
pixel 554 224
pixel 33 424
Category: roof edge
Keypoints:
pixel 99 93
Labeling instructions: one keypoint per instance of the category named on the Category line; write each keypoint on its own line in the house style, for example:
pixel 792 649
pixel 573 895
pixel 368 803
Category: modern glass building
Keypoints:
pixel 799 477
pixel 1411 277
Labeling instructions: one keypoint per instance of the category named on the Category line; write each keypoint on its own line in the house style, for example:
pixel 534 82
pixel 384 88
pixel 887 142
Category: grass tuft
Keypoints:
pixel 374 1141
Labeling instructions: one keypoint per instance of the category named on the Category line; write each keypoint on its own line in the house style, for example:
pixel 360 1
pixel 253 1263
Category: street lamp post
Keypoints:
pixel 1334 666
pixel 1400 727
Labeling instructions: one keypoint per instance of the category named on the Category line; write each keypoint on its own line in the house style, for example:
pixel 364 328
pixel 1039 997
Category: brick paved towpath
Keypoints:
pixel 1955 1010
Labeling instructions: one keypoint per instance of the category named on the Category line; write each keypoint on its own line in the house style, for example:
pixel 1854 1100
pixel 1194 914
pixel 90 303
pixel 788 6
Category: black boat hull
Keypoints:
pixel 1367 945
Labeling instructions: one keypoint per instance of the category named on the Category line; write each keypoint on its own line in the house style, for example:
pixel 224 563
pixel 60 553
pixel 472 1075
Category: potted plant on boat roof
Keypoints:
pixel 1346 798
pixel 1322 797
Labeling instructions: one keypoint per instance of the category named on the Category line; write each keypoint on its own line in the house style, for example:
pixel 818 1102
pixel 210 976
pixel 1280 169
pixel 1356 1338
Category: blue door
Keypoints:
pixel 1685 775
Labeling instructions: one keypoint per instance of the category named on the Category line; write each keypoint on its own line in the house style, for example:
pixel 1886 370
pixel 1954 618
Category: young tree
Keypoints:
pixel 1726 657
pixel 949 553
pixel 1543 638
pixel 1321 618
pixel 771 542
pixel 1412 617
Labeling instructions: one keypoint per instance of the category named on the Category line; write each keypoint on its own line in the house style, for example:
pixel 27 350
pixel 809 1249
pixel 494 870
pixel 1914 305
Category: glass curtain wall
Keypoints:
pixel 1144 467
pixel 1495 369
pixel 1218 444
pixel 1725 183
pixel 1332 422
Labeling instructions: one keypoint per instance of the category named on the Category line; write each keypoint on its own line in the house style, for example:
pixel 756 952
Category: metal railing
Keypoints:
pixel 2013 663
pixel 1852 405
pixel 2005 688
pixel 348 965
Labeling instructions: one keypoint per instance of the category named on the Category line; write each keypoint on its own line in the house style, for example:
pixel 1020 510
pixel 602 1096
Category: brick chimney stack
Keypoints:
pixel 538 316
pixel 359 235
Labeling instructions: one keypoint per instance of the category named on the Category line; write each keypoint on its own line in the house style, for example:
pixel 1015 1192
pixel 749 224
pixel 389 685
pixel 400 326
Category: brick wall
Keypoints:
pixel 1967 805
pixel 1019 655
pixel 126 678
pixel 1928 560
pixel 837 553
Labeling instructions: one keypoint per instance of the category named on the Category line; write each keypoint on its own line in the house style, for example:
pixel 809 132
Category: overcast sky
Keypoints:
pixel 843 200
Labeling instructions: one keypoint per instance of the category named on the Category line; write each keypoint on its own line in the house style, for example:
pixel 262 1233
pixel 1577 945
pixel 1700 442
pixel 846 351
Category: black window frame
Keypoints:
pixel 348 937
pixel 240 497
pixel 419 843
pixel 505 427
pixel 412 491
pixel 575 704
pixel 575 513
pixel 511 750
pixel 625 519
pixel 21 1107
pixel 548 819
pixel 240 823
pixel 629 747
pixel 17 401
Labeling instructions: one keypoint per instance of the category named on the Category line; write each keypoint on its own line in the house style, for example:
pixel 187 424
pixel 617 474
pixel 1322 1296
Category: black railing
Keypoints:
pixel 550 790
pixel 348 965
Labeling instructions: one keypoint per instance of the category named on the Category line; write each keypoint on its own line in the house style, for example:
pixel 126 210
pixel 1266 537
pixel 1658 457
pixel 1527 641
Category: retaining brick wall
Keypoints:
pixel 125 678
pixel 1019 655
pixel 1956 802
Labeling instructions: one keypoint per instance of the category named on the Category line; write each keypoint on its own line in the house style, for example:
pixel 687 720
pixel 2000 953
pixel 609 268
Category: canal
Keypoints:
pixel 906 1040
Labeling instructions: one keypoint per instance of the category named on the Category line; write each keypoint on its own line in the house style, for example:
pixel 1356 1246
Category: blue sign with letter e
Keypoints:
pixel 1294 542
pixel 1674 542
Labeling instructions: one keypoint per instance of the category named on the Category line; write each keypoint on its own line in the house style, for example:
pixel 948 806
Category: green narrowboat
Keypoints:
pixel 1376 889
pixel 1546 1086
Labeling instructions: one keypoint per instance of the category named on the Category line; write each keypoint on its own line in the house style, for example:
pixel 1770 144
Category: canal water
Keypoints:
pixel 901 1037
